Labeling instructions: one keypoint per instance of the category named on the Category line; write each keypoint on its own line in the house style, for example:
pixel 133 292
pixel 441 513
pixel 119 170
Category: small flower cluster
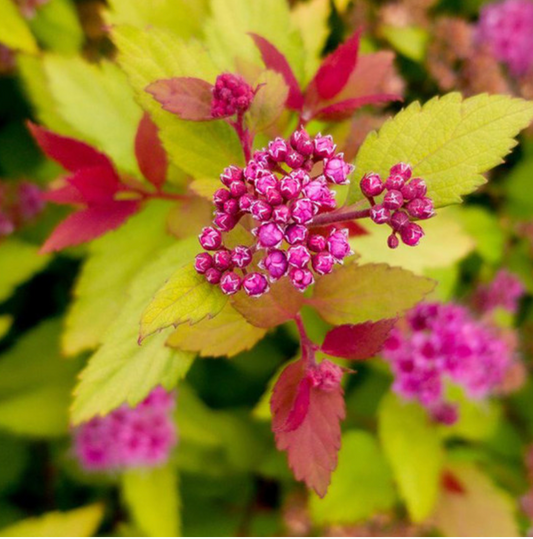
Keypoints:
pixel 443 342
pixel 128 437
pixel 505 27
pixel 28 8
pixel 231 95
pixel 19 204
pixel 504 291
pixel 325 376
pixel 404 199
pixel 281 189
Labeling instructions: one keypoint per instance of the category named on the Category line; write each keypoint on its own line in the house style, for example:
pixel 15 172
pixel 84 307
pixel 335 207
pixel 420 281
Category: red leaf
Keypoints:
pixel 151 155
pixel 307 426
pixel 187 97
pixel 359 341
pixel 70 153
pixel 66 194
pixel 89 224
pixel 344 109
pixel 276 61
pixel 96 184
pixel 336 69
pixel 451 483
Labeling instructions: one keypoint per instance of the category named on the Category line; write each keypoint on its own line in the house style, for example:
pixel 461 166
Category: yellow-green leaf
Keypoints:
pixel 354 294
pixel 269 101
pixel 14 31
pixel 83 522
pixel 185 297
pixel 151 496
pixel 450 142
pixel 413 448
pixel 361 486
pixel 122 370
pixel 227 334
pixel 102 285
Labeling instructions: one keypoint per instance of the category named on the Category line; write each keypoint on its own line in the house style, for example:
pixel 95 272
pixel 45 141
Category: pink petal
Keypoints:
pixel 187 97
pixel 88 224
pixel 276 61
pixel 151 155
pixel 70 153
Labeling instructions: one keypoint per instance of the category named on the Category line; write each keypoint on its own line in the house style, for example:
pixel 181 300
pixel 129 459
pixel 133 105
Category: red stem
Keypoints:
pixel 340 217
pixel 244 136
pixel 307 345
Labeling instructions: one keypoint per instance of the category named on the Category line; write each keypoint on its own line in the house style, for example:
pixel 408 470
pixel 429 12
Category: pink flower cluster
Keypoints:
pixel 19 204
pixel 444 342
pixel 281 190
pixel 28 8
pixel 506 27
pixel 231 95
pixel 504 291
pixel 128 437
pixel 404 199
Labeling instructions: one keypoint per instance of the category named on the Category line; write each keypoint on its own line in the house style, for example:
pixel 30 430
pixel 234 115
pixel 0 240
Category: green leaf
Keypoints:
pixel 450 142
pixel 413 448
pixel 5 325
pixel 185 297
pixel 411 41
pixel 354 294
pixel 151 496
pixel 226 32
pixel 14 31
pixel 15 452
pixel 445 243
pixel 57 27
pixel 269 102
pixel 518 182
pixel 482 510
pixel 82 522
pixel 122 370
pixel 203 149
pixel 183 17
pixel 361 486
pixel 108 117
pixel 102 285
pixel 23 261
pixel 227 334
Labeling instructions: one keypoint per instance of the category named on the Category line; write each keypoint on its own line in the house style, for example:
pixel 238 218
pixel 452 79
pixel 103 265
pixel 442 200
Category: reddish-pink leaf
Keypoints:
pixel 90 223
pixel 95 184
pixel 359 341
pixel 336 69
pixel 151 155
pixel 451 483
pixel 66 194
pixel 187 97
pixel 70 153
pixel 276 61
pixel 344 109
pixel 306 423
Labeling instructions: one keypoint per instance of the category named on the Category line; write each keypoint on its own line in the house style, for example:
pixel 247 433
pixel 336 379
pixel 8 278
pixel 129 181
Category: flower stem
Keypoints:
pixel 340 217
pixel 307 345
pixel 245 138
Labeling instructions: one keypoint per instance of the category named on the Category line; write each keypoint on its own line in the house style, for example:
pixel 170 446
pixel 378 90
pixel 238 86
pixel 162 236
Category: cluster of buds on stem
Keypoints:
pixel 281 190
pixel 231 95
pixel 404 199
pixel 19 204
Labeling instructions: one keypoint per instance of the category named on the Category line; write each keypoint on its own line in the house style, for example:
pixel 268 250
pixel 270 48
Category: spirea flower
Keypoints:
pixel 440 343
pixel 404 200
pixel 231 95
pixel 128 437
pixel 20 203
pixel 504 291
pixel 281 189
pixel 506 28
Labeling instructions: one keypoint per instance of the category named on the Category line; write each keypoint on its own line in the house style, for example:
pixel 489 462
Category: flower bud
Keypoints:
pixel 371 185
pixel 230 283
pixel 317 243
pixel 338 244
pixel 230 175
pixel 222 259
pixel 393 200
pixel 301 278
pixel 210 238
pixel 246 202
pixel 203 262
pixel 326 376
pixel 277 150
pixel 290 187
pixel 213 275
pixel 231 206
pixel 296 234
pixel 302 143
pixel 337 170
pixel 225 221
pixel 298 256
pixel 231 95
pixel 275 263
pixel 398 220
pixel 281 214
pixel 237 188
pixel 261 210
pixel 395 182
pixel 274 197
pixel 269 235
pixel 221 196
pixel 303 211
pixel 393 241
pixel 379 214
pixel 324 147
pixel 323 263
pixel 295 159
pixel 241 256
pixel 255 284
pixel 402 169
pixel 265 182
pixel 420 185
pixel 421 208
pixel 411 234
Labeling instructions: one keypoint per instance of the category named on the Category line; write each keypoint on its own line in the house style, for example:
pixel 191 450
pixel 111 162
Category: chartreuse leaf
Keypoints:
pixel 411 41
pixel 35 384
pixel 14 31
pixel 414 451
pixel 57 27
pixel 450 142
pixel 23 261
pixel 227 334
pixel 516 183
pixel 5 325
pixel 226 32
pixel 361 486
pixel 183 17
pixel 102 285
pixel 109 116
pixel 477 509
pixel 203 149
pixel 371 292
pixel 269 101
pixel 83 522
pixel 185 297
pixel 151 496
pixel 445 243
pixel 122 370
